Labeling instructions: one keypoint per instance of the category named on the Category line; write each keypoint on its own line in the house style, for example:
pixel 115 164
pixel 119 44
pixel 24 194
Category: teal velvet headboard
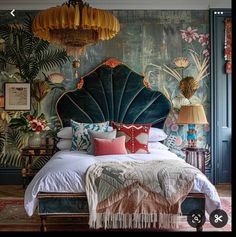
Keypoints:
pixel 113 92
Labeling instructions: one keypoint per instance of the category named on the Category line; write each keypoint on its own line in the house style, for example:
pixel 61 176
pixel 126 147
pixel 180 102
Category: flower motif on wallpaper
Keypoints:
pixel 190 35
pixel 189 84
pixel 30 123
pixel 172 128
pixel 197 62
pixel 181 62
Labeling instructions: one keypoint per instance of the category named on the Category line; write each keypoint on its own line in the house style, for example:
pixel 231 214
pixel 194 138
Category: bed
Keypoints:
pixel 111 92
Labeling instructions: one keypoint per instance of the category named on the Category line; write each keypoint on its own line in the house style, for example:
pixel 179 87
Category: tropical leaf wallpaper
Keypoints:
pixel 166 46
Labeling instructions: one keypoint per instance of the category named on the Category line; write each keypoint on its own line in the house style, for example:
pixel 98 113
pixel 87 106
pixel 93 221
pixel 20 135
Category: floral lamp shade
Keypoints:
pixel 192 114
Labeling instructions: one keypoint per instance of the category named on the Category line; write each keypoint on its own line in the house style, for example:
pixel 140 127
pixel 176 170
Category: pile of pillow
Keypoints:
pixel 102 139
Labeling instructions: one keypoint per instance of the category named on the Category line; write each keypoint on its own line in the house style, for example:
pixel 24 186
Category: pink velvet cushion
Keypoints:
pixel 110 146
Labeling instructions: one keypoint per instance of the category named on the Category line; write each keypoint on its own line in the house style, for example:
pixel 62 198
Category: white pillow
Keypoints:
pixel 157 145
pixel 65 133
pixel 156 135
pixel 64 144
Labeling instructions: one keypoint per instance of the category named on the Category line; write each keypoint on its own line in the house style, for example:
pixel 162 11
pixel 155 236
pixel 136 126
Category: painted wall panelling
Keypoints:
pixel 221 104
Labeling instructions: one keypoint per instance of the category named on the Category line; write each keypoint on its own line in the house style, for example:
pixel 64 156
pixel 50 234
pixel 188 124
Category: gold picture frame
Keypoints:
pixel 17 96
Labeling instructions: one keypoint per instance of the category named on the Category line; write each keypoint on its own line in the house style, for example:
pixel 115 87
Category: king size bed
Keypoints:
pixel 65 186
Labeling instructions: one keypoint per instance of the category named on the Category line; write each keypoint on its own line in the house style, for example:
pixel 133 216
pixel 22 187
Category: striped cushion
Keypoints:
pixel 81 139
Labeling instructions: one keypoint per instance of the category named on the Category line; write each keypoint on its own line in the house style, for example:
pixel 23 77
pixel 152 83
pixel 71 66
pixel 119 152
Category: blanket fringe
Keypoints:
pixel 137 220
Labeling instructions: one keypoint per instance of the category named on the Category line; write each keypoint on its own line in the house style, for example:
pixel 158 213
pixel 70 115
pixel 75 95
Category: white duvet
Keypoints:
pixel 66 170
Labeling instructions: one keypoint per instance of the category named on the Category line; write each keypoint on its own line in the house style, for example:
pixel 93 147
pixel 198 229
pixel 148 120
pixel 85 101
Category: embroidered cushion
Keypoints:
pixel 110 146
pixel 103 135
pixel 136 136
pixel 80 139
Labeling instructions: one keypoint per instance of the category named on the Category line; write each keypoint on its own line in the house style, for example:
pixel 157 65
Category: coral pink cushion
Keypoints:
pixel 109 146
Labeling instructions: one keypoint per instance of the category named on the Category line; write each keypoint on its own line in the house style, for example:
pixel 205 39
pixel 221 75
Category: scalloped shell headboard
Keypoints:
pixel 113 92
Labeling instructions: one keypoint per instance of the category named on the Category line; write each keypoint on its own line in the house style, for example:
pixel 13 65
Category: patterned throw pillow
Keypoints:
pixel 81 139
pixel 102 135
pixel 136 136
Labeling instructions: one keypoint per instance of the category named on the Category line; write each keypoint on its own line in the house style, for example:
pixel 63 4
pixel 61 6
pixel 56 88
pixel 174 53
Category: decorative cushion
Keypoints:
pixel 136 136
pixel 110 146
pixel 156 135
pixel 80 140
pixel 64 144
pixel 65 133
pixel 103 135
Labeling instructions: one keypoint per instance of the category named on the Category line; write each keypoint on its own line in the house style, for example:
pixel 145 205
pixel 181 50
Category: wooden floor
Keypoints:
pixel 224 190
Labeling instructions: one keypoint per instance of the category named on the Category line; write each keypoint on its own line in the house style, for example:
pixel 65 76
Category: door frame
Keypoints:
pixel 213 126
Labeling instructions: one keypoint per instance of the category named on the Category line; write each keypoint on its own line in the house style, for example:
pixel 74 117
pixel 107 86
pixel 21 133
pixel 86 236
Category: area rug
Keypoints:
pixel 14 218
pixel 226 206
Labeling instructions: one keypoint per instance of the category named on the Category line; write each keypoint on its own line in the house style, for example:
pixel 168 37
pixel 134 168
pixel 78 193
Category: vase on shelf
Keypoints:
pixel 34 139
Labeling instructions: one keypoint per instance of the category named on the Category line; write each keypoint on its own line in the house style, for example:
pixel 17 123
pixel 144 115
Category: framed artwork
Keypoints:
pixel 17 96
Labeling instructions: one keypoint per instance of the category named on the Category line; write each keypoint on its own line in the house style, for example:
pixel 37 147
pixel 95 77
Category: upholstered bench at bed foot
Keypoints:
pixel 75 205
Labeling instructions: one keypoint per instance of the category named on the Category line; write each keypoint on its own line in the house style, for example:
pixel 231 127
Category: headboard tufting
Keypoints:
pixel 113 92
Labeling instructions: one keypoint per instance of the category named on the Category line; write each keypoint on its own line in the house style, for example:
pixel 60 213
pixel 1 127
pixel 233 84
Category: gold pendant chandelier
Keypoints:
pixel 74 25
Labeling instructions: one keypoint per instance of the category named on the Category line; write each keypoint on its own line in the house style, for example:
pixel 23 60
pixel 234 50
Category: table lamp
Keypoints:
pixel 192 114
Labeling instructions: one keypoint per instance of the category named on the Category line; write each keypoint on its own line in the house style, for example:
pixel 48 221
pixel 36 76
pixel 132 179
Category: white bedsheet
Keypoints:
pixel 65 172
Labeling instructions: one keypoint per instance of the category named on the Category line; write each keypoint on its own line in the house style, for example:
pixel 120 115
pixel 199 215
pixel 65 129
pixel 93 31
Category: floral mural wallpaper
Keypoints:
pixel 170 48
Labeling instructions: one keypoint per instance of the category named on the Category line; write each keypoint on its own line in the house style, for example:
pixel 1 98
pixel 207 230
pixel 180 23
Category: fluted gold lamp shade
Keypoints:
pixel 192 114
pixel 74 25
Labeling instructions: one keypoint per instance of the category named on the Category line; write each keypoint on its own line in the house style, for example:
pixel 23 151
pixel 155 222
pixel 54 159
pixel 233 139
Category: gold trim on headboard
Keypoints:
pixel 111 62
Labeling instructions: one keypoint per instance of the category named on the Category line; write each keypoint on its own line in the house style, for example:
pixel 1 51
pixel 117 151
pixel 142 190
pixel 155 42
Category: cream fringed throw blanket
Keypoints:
pixel 137 194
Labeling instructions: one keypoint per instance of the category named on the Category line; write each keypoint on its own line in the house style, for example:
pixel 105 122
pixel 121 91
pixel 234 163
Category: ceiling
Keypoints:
pixel 120 4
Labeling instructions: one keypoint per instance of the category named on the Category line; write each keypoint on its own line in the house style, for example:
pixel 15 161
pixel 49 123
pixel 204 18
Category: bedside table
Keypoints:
pixel 196 157
pixel 28 154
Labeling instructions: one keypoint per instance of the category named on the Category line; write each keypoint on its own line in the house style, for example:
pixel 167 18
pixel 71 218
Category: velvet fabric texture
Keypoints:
pixel 113 94
pixel 102 135
pixel 110 146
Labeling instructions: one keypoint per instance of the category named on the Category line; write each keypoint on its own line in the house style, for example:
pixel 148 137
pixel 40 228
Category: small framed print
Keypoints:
pixel 17 96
